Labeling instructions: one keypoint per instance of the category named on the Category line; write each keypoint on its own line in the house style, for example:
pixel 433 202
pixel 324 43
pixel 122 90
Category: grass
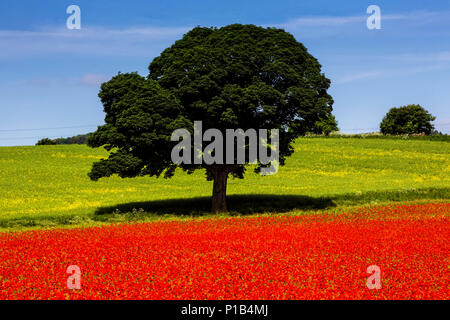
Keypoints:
pixel 377 135
pixel 48 186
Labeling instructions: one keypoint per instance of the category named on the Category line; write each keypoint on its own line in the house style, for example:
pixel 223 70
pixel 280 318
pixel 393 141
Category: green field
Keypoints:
pixel 45 186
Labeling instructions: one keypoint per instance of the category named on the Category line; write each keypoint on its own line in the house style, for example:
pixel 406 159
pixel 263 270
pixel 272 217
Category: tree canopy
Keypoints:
pixel 78 139
pixel 408 119
pixel 238 76
pixel 45 142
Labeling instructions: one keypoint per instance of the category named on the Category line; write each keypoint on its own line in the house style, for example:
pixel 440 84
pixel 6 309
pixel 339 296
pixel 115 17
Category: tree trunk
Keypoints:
pixel 219 196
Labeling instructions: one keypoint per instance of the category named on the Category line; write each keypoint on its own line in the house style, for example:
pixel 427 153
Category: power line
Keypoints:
pixel 353 129
pixel 56 128
pixel 40 137
pixel 95 125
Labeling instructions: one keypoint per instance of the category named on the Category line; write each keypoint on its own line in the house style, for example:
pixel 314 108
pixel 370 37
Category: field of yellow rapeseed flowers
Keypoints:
pixel 49 186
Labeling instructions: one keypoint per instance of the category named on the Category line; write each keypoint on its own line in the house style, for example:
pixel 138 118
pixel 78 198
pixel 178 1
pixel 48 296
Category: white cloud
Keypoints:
pixel 334 21
pixel 148 41
pixel 358 76
pixel 443 121
pixel 389 73
pixel 321 21
pixel 96 32
pixel 90 40
pixel 93 80
pixel 440 56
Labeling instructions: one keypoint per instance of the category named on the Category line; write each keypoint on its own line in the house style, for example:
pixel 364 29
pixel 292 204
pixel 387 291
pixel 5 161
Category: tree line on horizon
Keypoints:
pixel 406 120
pixel 78 139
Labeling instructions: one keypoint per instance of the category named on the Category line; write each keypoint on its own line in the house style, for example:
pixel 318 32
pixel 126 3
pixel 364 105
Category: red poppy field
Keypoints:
pixel 316 256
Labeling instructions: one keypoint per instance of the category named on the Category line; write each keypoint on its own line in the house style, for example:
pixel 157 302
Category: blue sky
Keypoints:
pixel 50 75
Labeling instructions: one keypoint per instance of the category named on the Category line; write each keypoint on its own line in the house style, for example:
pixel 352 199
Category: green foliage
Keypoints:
pixel 238 76
pixel 140 119
pixel 46 142
pixel 326 125
pixel 410 119
pixel 78 139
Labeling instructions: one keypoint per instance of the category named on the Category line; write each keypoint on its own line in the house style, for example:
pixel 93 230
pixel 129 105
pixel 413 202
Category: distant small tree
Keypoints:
pixel 410 119
pixel 326 125
pixel 436 133
pixel 46 141
pixel 78 139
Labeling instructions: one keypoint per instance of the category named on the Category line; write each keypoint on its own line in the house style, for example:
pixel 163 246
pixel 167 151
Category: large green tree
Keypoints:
pixel 408 119
pixel 238 76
